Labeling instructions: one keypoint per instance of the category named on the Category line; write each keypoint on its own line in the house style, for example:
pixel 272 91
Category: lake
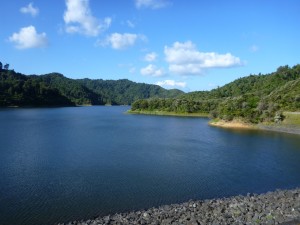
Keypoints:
pixel 63 164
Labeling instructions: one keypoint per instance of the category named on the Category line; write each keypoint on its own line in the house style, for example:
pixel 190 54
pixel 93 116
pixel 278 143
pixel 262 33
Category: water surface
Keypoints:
pixel 62 164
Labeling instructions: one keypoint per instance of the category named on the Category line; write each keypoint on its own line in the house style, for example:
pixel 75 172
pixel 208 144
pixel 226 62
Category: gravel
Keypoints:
pixel 278 207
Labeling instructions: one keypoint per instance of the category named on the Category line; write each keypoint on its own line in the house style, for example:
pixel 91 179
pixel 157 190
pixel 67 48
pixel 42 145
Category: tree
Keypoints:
pixel 278 117
pixel 6 66
pixel 1 65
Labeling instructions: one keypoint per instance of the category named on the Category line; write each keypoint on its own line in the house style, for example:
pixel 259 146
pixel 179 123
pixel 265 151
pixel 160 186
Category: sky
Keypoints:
pixel 191 45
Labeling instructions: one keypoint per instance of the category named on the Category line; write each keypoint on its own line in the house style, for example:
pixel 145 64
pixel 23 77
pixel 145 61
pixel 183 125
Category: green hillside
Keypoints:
pixel 255 98
pixel 287 96
pixel 19 90
pixel 125 92
pixel 54 89
pixel 72 89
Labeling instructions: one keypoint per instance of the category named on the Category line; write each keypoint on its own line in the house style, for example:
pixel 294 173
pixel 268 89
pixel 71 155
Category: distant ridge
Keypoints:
pixel 54 89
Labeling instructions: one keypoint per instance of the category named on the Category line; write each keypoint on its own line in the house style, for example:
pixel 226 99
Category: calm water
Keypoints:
pixel 63 164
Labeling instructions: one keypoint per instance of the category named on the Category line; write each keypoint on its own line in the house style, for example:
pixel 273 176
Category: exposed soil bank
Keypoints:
pixel 279 207
pixel 241 125
pixel 232 124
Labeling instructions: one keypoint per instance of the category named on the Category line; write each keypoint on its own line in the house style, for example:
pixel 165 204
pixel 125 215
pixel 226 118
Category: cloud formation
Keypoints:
pixel 29 38
pixel 79 19
pixel 185 59
pixel 121 41
pixel 152 4
pixel 152 70
pixel 171 83
pixel 150 57
pixel 30 9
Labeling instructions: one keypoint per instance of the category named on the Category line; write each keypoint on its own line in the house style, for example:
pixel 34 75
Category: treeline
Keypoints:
pixel 54 89
pixel 256 98
pixel 19 90
pixel 125 92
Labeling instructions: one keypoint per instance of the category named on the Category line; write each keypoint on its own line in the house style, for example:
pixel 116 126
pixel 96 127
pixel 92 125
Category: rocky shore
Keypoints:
pixel 282 129
pixel 279 207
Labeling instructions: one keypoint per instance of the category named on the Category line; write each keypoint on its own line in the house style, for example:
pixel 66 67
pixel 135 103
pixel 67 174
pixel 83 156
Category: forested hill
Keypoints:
pixel 54 89
pixel 125 92
pixel 256 98
pixel 260 85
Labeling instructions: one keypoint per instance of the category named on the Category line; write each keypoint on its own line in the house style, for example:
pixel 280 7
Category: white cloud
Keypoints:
pixel 153 4
pixel 171 83
pixel 186 69
pixel 185 59
pixel 79 19
pixel 29 38
pixel 150 57
pixel 121 41
pixel 152 70
pixel 30 9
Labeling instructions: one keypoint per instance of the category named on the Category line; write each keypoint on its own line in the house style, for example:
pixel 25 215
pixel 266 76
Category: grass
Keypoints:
pixel 291 118
pixel 215 120
pixel 290 124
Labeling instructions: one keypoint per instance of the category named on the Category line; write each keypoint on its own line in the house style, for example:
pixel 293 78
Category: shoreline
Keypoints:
pixel 164 113
pixel 277 207
pixel 236 124
pixel 232 124
pixel 281 129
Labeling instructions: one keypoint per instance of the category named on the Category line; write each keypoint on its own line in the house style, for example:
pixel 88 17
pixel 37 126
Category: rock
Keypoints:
pixel 279 207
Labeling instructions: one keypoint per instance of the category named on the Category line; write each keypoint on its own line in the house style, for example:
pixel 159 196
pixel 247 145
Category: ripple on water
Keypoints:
pixel 67 164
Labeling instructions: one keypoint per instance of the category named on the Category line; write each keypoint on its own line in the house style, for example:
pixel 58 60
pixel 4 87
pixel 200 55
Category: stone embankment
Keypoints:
pixel 279 207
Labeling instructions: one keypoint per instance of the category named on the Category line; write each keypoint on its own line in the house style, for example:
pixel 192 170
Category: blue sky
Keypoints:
pixel 191 45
